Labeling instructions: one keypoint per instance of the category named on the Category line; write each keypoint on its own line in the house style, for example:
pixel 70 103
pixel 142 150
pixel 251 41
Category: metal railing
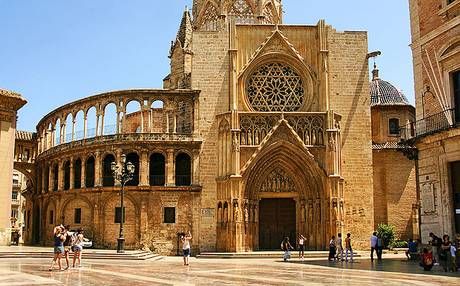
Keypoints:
pixel 429 125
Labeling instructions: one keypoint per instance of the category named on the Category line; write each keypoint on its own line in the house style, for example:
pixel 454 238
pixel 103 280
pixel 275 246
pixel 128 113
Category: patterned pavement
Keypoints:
pixel 170 271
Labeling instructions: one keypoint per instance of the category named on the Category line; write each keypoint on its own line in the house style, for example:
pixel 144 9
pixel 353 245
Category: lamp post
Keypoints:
pixel 123 175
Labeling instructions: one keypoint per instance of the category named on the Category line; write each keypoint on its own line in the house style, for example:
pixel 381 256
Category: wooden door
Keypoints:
pixel 277 219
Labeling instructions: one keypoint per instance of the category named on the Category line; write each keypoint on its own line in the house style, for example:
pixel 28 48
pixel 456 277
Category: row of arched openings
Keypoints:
pixel 157 171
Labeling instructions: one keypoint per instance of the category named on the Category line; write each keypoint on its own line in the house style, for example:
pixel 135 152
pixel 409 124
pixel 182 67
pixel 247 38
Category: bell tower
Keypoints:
pixel 211 15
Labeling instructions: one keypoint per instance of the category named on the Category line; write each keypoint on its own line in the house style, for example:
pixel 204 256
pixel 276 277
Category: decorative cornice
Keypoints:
pixel 10 100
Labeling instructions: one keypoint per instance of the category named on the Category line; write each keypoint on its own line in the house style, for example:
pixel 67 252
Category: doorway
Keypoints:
pixel 277 219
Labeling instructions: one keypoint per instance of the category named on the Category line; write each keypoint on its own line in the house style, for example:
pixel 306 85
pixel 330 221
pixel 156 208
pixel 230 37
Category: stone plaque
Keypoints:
pixel 207 213
pixel 427 197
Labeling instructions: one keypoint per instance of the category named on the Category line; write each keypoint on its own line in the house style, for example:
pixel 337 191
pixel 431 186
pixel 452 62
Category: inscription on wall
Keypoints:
pixel 427 197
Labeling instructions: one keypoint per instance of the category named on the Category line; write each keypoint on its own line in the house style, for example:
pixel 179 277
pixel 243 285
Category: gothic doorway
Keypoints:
pixel 277 219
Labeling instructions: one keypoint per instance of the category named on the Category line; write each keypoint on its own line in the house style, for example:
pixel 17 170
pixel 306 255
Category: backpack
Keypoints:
pixel 428 259
pixel 73 239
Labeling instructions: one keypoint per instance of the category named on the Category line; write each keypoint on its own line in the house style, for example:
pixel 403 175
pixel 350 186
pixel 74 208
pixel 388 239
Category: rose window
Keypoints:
pixel 275 87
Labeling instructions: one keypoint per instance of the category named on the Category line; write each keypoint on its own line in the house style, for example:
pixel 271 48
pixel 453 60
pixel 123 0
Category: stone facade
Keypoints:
pixel 435 41
pixel 10 102
pixel 264 131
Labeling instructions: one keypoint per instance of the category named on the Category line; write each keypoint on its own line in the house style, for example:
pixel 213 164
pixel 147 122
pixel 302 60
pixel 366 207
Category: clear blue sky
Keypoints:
pixel 54 52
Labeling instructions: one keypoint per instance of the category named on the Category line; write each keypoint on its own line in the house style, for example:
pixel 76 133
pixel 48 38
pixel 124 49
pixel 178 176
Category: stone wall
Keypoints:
pixel 210 75
pixel 349 96
pixel 394 191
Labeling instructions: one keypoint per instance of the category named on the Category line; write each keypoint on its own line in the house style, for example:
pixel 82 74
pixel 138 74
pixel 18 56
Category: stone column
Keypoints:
pixel 60 176
pixel 118 154
pixel 144 168
pixel 73 127
pixel 85 125
pixel 10 103
pixel 170 180
pixel 83 174
pixel 196 168
pixel 102 123
pixel 97 169
pixel 72 175
pixel 50 178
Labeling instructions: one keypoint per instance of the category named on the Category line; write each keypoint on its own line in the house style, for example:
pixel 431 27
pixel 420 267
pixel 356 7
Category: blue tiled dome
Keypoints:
pixel 384 93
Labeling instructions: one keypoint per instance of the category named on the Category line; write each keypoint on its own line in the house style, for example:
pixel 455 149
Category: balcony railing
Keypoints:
pixel 429 125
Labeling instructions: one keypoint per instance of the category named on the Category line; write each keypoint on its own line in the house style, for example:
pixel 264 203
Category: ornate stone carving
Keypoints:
pixel 242 12
pixel 210 18
pixel 278 182
pixel 275 87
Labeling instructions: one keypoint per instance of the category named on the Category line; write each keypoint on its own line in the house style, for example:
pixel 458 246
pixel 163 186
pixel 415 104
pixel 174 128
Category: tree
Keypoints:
pixel 387 233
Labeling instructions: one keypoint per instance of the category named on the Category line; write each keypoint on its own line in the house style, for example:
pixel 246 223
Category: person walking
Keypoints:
pixel 77 246
pixel 301 246
pixel 186 246
pixel 339 247
pixel 332 249
pixel 348 248
pixel 374 240
pixel 59 238
pixel 453 254
pixel 286 247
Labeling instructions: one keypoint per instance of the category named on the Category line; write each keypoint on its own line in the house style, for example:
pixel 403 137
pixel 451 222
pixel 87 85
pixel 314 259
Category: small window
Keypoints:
pixel 170 215
pixel 14 195
pixel 118 214
pixel 77 216
pixel 393 126
pixel 51 218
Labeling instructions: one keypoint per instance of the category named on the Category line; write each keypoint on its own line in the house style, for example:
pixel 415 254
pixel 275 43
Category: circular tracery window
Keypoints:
pixel 275 87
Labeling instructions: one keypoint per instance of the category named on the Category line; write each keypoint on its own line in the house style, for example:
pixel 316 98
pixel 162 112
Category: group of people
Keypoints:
pixel 336 249
pixel 66 241
pixel 444 252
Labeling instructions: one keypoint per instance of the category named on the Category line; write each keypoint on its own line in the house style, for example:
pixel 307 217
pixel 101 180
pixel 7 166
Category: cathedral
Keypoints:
pixel 261 131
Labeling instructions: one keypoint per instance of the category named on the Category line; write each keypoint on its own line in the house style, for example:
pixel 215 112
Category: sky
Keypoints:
pixel 54 52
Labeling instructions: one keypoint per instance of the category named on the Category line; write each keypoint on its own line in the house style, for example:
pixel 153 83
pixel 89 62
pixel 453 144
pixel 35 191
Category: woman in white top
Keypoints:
pixel 186 246
pixel 77 247
pixel 301 246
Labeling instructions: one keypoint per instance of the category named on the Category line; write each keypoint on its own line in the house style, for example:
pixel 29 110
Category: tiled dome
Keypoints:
pixel 384 93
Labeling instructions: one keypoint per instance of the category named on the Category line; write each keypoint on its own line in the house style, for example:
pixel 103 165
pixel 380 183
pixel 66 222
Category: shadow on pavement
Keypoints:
pixel 386 265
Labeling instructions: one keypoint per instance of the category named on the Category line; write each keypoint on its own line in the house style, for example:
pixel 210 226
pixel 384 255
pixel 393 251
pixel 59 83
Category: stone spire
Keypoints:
pixel 184 35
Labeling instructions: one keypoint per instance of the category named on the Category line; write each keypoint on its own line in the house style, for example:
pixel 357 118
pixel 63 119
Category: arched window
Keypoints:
pixel 77 174
pixel 107 176
pixel 134 159
pixel 89 169
pixel 183 170
pixel 157 170
pixel 67 175
pixel 55 177
pixel 393 126
pixel 157 104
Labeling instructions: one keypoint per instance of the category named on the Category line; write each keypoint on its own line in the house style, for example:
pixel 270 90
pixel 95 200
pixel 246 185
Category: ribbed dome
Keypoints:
pixel 384 93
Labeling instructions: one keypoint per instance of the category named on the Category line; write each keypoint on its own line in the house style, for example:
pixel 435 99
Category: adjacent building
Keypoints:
pixel 436 55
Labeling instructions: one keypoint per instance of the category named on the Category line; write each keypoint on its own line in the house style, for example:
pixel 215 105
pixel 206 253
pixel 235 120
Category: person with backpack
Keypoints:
pixel 426 260
pixel 77 247
pixel 286 247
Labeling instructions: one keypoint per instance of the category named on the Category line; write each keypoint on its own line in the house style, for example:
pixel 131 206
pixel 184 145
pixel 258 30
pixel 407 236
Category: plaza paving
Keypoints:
pixel 170 271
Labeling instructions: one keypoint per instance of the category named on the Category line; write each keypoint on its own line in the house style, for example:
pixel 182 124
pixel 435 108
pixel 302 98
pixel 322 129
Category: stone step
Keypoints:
pixel 134 255
pixel 264 254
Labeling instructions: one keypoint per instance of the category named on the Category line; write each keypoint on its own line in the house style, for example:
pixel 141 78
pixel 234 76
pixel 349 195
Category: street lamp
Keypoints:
pixel 123 175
